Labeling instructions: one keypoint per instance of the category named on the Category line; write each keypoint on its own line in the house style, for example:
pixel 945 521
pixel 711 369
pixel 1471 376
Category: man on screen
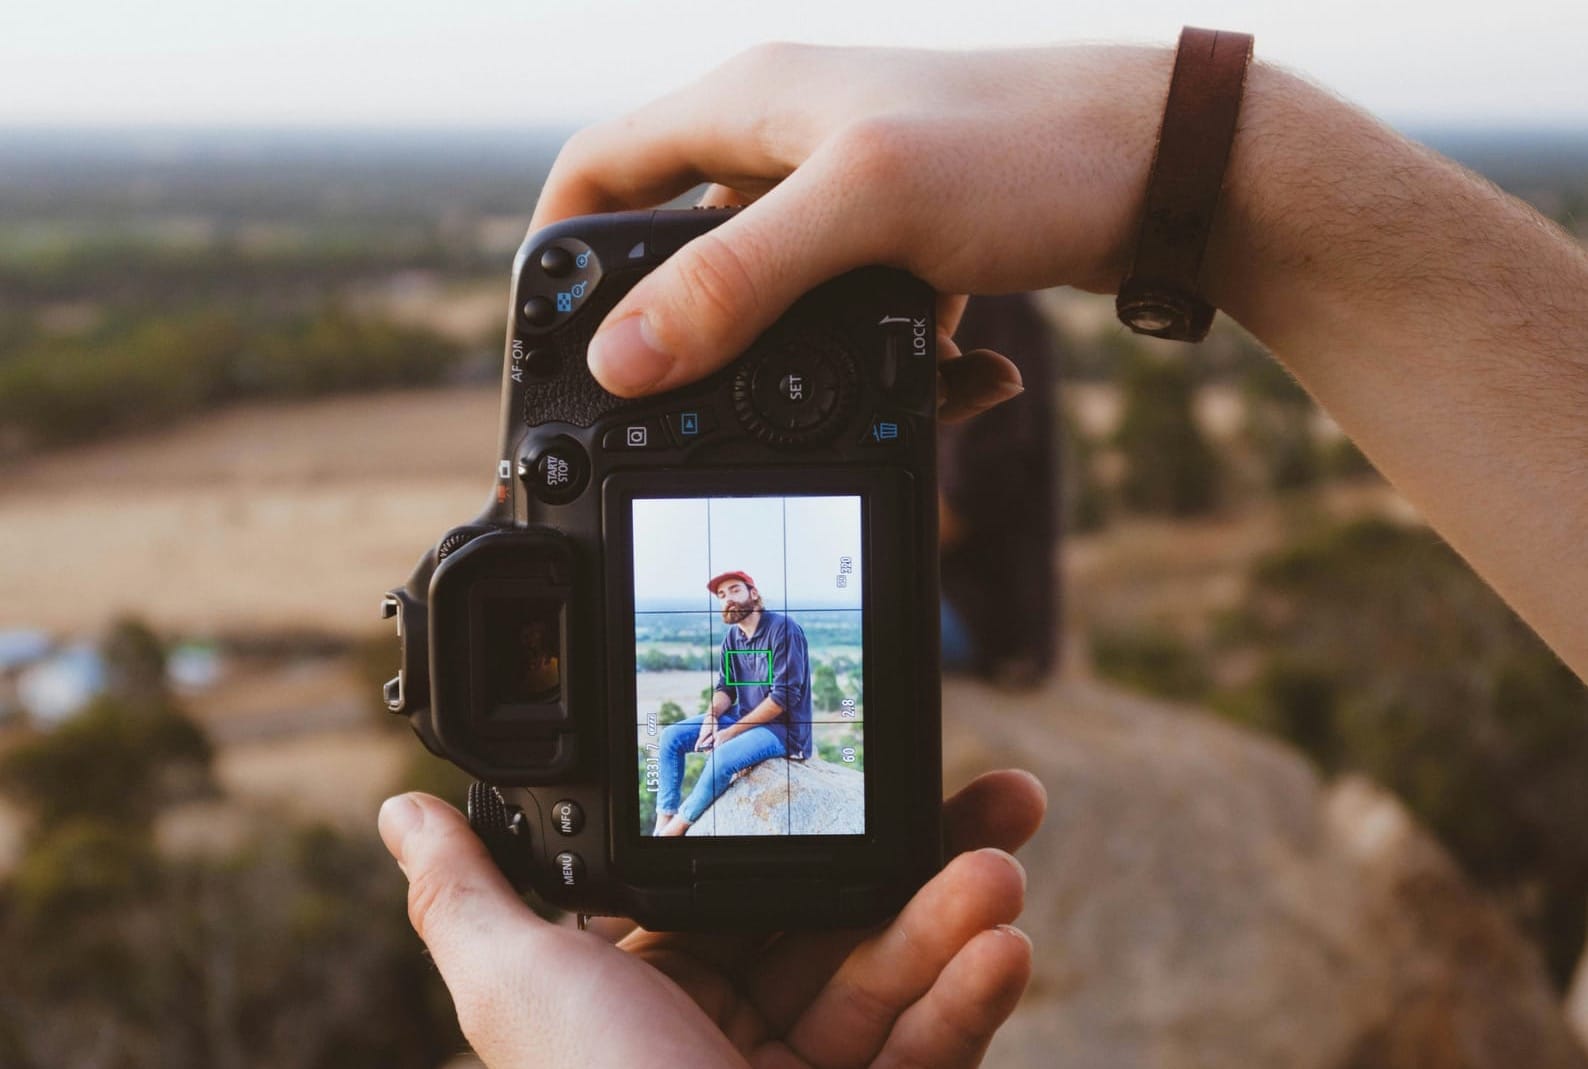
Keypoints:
pixel 760 709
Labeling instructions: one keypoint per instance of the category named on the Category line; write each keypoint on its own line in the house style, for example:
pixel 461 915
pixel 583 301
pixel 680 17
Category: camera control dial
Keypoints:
pixel 796 393
pixel 501 827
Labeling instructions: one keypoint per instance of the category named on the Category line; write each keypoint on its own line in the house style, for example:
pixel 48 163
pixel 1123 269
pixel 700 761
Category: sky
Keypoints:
pixel 564 63
pixel 790 546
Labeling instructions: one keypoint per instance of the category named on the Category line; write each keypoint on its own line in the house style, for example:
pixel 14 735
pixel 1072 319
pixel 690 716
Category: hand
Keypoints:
pixel 928 989
pixel 978 171
pixel 708 733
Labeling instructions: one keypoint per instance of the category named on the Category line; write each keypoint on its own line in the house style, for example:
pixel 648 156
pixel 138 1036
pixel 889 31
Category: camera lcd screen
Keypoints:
pixel 749 666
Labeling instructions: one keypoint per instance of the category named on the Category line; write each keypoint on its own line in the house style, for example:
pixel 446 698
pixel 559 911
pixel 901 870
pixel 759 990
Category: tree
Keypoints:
pixel 1169 466
pixel 134 661
pixel 115 762
pixel 826 694
pixel 1279 425
pixel 1383 653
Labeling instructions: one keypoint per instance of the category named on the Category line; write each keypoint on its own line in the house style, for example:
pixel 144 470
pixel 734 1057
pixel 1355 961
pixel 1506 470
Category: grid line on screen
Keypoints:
pixel 833 615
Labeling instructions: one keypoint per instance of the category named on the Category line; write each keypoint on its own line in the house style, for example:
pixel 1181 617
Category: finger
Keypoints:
pixel 974 382
pixel 612 929
pixel 999 809
pixel 519 984
pixel 1002 809
pixel 851 1017
pixel 950 310
pixel 707 967
pixel 721 196
pixel 950 1027
pixel 458 900
pixel 738 125
pixel 456 894
pixel 707 302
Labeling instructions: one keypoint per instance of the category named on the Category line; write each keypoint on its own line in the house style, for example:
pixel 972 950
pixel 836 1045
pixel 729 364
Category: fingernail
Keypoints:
pixel 399 818
pixel 1009 929
pixel 1007 391
pixel 1010 858
pixel 625 356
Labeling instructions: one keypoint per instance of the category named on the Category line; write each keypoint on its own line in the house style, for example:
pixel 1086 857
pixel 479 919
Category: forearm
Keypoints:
pixel 1440 322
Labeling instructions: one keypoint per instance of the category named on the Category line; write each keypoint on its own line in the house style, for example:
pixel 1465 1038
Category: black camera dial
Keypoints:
pixel 796 392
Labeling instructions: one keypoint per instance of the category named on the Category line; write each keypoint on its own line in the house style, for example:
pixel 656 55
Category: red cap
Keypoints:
pixel 719 580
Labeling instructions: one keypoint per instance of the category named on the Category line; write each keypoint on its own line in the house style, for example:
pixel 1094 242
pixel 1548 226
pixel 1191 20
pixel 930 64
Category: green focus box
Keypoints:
pixel 727 669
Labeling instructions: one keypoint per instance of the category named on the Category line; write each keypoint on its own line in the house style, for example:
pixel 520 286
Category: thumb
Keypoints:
pixel 458 900
pixel 708 301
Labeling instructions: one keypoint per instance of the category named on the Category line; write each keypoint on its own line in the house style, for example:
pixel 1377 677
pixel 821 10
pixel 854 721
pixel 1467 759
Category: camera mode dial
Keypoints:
pixel 501 827
pixel 797 392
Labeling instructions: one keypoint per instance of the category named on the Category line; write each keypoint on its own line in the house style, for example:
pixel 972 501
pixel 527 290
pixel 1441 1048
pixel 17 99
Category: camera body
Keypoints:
pixel 728 592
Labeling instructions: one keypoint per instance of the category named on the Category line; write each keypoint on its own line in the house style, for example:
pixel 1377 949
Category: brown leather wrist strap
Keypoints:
pixel 1161 295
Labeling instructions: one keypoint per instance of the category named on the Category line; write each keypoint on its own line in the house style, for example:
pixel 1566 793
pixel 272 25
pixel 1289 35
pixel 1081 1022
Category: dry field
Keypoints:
pixel 265 519
pixel 257 519
pixel 272 518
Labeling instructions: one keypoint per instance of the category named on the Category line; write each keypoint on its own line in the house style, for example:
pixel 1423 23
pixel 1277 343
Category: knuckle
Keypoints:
pixel 771 57
pixel 963 1029
pixel 433 900
pixel 869 1008
pixel 576 149
pixel 882 151
pixel 773 133
pixel 717 282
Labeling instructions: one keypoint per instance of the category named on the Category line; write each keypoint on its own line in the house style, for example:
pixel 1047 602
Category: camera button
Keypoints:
pixel 556 473
pixel 567 817
pixel 637 435
pixel 884 431
pixel 542 363
pixel 540 311
pixel 691 425
pixel 569 868
pixel 888 366
pixel 796 394
pixel 556 261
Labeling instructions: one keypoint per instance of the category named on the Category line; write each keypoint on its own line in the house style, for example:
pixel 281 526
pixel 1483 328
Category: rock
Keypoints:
pixel 812 797
pixel 1200 898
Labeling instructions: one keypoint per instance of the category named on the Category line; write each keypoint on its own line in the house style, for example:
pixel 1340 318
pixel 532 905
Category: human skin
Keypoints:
pixel 926 990
pixel 1440 321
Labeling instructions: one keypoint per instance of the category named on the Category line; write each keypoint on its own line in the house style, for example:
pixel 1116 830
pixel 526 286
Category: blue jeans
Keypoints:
pixel 723 761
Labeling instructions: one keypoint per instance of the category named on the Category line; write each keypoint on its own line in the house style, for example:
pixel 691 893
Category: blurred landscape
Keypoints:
pixel 247 377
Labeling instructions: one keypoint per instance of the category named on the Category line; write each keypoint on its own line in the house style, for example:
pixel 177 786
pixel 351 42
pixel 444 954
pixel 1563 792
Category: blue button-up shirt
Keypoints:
pixel 784 674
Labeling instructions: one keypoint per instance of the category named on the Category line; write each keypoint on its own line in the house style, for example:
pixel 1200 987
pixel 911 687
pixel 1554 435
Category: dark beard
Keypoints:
pixel 734 611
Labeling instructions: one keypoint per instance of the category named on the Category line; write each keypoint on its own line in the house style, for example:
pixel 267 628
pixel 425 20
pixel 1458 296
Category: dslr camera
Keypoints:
pixel 689 649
